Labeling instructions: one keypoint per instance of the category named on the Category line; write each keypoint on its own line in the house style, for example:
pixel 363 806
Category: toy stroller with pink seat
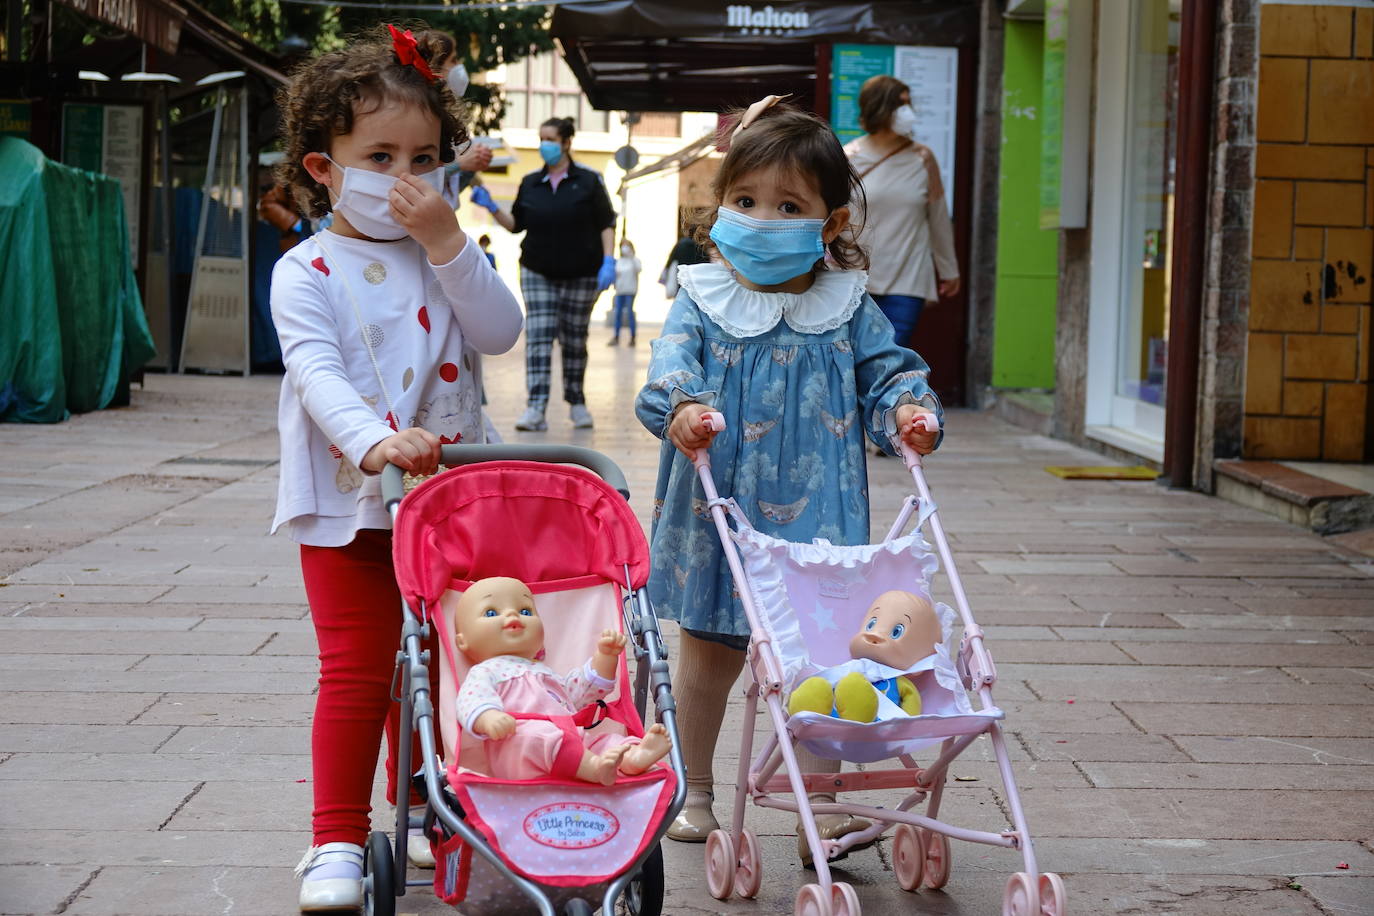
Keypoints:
pixel 547 845
pixel 794 595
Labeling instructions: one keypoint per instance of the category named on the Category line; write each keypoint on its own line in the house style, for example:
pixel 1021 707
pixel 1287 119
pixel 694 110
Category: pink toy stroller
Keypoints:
pixel 524 846
pixel 794 594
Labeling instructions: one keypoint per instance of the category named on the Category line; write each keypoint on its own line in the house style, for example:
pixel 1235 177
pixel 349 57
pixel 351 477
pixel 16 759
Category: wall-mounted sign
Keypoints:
pixel 108 139
pixel 16 118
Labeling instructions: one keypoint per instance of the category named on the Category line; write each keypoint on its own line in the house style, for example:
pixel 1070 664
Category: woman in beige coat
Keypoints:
pixel 906 228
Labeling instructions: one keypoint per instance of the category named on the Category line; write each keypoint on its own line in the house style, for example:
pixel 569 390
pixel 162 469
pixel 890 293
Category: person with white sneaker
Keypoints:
pixel 566 260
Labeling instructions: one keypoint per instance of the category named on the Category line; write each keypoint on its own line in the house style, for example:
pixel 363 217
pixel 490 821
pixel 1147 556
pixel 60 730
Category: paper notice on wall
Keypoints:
pixel 933 75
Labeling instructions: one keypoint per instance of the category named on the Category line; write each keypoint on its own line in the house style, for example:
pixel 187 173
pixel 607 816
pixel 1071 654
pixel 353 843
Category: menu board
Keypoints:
pixel 109 139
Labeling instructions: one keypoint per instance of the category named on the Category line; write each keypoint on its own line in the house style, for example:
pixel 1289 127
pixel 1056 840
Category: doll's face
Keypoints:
pixel 899 630
pixel 497 617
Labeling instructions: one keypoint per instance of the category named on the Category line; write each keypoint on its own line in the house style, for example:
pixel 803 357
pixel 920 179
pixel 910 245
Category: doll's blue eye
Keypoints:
pixel 526 612
pixel 898 630
pixel 489 612
pixel 872 622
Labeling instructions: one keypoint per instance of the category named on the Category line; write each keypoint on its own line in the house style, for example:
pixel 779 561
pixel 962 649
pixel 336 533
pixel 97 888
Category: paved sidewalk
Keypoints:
pixel 1187 683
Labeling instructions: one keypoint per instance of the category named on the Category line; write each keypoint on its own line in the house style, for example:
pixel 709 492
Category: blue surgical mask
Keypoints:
pixel 768 251
pixel 550 151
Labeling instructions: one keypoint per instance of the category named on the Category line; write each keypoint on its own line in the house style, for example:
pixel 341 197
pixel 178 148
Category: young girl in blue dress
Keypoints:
pixel 778 334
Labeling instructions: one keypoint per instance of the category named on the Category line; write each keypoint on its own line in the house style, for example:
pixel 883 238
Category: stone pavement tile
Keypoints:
pixel 1234 589
pixel 1223 814
pixel 190 645
pixel 53 572
pixel 1077 586
pixel 1221 895
pixel 279 805
pixel 1135 749
pixel 1126 855
pixel 190 609
pixel 1083 717
pixel 1008 613
pixel 236 740
pixel 208 709
pixel 1010 602
pixel 97 805
pixel 1175 566
pixel 968 772
pixel 1246 621
pixel 110 739
pixel 1190 687
pixel 1254 654
pixel 1055 653
pixel 159 767
pixel 1285 637
pixel 26 622
pixel 1249 719
pixel 215 571
pixel 1154 604
pixel 302 644
pixel 1342 896
pixel 257 625
pixel 1270 750
pixel 14 597
pixel 1014 632
pixel 1037 567
pixel 50 662
pixel 72 707
pixel 1332 675
pixel 1229 776
pixel 191 679
pixel 68 846
pixel 1285 541
pixel 162 891
pixel 1060 543
pixel 203 594
pixel 39 888
pixel 256 664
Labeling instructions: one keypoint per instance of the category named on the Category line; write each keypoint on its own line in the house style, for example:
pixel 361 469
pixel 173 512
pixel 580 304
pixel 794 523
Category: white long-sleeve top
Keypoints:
pixel 333 409
pixel 906 230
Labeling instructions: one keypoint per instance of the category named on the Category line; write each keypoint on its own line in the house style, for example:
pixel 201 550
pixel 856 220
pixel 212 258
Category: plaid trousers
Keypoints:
pixel 562 309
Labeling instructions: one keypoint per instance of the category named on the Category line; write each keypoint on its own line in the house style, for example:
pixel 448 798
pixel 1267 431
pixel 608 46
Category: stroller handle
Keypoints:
pixel 454 455
pixel 926 421
pixel 713 421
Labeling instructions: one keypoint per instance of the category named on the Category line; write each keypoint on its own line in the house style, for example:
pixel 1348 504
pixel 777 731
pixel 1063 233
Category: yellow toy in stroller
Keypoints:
pixel 522 846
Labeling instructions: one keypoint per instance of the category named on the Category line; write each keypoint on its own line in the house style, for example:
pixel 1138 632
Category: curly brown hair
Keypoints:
pixel 328 92
pixel 797 141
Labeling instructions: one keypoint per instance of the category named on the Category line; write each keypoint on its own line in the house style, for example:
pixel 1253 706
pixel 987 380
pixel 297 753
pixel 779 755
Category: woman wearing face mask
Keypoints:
pixel 906 228
pixel 566 260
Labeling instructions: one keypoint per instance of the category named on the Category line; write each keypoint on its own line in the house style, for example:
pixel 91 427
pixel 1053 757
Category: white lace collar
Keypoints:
pixel 741 312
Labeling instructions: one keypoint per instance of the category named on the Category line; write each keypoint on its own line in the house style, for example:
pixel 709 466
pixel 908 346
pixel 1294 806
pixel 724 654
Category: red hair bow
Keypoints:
pixel 408 53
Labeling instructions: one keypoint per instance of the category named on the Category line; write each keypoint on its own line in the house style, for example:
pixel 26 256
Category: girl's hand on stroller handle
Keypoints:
pixel 918 429
pixel 494 724
pixel 415 450
pixel 690 429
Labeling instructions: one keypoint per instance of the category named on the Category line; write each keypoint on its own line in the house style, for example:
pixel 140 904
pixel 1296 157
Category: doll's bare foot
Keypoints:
pixel 651 748
pixel 601 767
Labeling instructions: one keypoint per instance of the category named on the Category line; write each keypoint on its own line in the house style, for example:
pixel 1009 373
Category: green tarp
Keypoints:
pixel 72 328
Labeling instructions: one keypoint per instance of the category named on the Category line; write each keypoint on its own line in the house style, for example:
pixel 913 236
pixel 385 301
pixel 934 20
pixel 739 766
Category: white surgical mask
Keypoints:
pixel 364 200
pixel 626 252
pixel 904 121
pixel 458 79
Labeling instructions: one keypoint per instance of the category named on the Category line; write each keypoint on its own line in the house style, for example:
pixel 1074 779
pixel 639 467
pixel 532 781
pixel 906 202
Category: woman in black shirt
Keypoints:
pixel 565 263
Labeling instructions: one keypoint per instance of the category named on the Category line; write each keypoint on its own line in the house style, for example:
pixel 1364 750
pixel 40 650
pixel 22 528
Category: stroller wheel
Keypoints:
pixel 720 864
pixel 379 876
pixel 1052 894
pixel 578 907
pixel 1022 896
pixel 937 859
pixel 908 856
pixel 812 901
pixel 749 872
pixel 644 894
pixel 844 900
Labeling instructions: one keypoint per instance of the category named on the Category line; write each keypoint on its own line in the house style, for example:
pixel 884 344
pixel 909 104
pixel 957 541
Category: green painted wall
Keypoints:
pixel 1027 256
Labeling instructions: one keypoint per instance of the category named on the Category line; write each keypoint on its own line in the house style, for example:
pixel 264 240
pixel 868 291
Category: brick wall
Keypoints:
pixel 1307 359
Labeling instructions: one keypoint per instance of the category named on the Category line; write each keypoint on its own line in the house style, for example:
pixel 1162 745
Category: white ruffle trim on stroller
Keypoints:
pixel 811 597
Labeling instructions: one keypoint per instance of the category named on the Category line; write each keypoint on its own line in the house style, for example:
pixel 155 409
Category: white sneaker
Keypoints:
pixel 418 851
pixel 532 420
pixel 332 878
pixel 581 417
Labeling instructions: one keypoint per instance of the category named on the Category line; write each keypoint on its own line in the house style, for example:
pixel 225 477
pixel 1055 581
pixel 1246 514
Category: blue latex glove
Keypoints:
pixel 606 275
pixel 482 198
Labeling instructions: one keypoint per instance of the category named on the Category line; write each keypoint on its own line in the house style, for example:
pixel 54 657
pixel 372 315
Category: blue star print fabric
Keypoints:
pixel 797 405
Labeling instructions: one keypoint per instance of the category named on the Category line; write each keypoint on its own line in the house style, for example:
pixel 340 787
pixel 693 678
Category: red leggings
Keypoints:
pixel 356 609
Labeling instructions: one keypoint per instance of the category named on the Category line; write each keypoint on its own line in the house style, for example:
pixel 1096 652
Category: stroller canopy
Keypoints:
pixel 540 523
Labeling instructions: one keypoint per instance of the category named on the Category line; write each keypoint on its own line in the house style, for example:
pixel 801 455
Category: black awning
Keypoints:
pixel 705 55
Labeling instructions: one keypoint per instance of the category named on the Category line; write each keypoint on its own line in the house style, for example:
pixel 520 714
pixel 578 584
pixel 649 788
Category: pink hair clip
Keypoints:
pixel 408 53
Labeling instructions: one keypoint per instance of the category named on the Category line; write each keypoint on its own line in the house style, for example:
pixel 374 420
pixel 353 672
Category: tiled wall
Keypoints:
pixel 1307 361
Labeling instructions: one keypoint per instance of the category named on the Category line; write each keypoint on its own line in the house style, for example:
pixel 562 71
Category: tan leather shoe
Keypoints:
pixel 832 827
pixel 695 821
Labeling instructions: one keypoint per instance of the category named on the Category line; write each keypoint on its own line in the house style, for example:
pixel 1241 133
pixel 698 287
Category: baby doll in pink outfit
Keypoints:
pixel 497 627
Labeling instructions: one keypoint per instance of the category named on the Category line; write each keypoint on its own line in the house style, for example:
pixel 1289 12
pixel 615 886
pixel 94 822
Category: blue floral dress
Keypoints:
pixel 800 378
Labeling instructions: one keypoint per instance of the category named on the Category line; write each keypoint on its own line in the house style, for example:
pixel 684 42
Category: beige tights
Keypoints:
pixel 706 672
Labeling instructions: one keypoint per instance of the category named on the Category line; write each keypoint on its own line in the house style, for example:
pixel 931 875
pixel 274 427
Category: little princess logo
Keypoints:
pixel 571 825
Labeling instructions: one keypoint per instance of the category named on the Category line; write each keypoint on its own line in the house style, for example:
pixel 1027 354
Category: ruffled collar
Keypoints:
pixel 741 312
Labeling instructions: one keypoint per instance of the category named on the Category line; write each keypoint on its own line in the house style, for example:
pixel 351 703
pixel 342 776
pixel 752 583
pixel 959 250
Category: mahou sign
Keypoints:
pixel 157 23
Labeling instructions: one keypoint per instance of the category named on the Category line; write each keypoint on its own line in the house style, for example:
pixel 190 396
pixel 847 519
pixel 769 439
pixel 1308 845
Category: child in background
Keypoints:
pixel 802 364
pixel 373 317
pixel 627 268
pixel 485 243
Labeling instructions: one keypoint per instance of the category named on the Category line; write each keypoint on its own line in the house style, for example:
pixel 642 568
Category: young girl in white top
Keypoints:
pixel 779 335
pixel 373 317
pixel 627 268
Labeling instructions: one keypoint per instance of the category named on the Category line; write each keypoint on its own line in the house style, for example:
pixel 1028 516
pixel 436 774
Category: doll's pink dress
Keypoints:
pixel 513 684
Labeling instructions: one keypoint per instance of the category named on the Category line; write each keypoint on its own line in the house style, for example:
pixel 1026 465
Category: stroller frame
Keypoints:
pixel 921 852
pixel 385 861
